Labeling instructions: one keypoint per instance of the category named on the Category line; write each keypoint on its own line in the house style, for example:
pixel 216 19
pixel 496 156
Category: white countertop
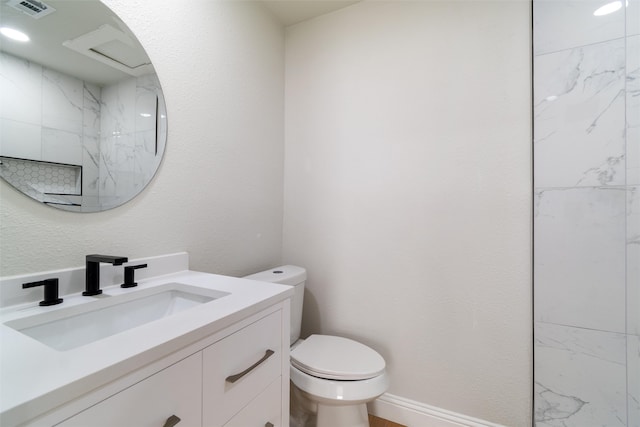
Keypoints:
pixel 35 378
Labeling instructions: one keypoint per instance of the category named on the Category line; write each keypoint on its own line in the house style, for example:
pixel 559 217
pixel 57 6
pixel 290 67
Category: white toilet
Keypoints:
pixel 332 378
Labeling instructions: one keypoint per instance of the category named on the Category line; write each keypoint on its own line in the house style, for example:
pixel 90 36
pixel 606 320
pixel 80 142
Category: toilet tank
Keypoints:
pixel 293 276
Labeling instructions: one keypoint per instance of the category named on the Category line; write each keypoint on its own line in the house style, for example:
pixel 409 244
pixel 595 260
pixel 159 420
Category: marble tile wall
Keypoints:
pixel 110 131
pixel 128 124
pixel 587 214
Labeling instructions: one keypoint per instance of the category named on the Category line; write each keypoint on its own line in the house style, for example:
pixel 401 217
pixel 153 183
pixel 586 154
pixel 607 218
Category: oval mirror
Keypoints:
pixel 83 122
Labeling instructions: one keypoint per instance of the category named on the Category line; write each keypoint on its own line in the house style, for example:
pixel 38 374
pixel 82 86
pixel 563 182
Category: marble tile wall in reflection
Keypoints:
pixel 46 116
pixel 129 124
pixel 111 131
pixel 587 214
pixel 20 111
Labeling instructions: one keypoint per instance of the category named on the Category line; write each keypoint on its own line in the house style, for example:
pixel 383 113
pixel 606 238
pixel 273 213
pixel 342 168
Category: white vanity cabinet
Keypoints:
pixel 235 378
pixel 173 392
pixel 264 407
pixel 240 367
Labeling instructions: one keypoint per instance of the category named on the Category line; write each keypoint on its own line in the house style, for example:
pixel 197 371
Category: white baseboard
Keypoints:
pixel 415 414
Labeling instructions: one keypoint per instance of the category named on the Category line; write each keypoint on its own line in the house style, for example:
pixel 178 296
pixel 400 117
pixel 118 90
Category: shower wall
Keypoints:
pixel 109 131
pixel 587 213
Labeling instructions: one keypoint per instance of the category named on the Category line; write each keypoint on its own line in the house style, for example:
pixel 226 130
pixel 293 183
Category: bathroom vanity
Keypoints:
pixel 217 355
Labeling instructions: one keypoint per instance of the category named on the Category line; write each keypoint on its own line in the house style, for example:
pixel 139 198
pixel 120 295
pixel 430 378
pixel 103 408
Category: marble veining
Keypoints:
pixel 579 123
pixel 586 214
pixel 553 407
pixel 583 382
pixel 633 108
pixel 62 101
pixel 128 155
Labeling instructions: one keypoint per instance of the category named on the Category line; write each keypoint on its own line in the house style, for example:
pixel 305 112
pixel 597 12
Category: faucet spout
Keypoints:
pixel 93 271
pixel 109 259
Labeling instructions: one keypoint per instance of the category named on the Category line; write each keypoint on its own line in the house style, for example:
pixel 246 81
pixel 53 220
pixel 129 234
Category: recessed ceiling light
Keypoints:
pixel 14 34
pixel 608 8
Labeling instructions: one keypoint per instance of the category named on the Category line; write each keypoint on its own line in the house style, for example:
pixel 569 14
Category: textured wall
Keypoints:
pixel 408 194
pixel 218 193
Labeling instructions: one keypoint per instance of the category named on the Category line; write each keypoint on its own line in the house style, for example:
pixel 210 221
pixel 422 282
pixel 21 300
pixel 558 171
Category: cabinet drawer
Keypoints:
pixel 239 367
pixel 175 390
pixel 262 411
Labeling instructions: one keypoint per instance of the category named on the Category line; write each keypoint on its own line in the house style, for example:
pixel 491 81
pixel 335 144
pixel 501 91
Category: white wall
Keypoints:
pixel 407 180
pixel 218 193
pixel 408 194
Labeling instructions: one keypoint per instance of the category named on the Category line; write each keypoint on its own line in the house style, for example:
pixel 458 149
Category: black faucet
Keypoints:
pixel 50 291
pixel 129 275
pixel 93 271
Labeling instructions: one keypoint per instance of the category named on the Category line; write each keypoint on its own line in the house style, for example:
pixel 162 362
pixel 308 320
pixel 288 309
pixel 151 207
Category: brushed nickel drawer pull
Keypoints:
pixel 233 378
pixel 171 421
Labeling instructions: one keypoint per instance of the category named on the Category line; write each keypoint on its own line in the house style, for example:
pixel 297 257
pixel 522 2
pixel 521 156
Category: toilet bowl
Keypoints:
pixel 332 378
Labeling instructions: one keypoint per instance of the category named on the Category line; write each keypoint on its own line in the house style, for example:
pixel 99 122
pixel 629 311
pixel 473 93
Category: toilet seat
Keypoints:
pixel 339 393
pixel 337 358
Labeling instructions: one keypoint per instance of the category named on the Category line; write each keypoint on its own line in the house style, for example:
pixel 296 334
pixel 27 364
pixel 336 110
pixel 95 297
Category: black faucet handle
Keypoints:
pixel 50 290
pixel 108 259
pixel 129 275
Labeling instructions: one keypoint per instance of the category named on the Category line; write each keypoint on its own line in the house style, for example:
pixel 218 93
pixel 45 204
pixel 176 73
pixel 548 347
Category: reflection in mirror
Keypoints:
pixel 83 122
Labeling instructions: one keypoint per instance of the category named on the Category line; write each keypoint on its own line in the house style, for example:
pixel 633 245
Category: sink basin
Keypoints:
pixel 72 327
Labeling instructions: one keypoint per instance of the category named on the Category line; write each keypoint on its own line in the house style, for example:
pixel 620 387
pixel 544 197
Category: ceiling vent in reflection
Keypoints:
pixel 35 9
pixel 114 48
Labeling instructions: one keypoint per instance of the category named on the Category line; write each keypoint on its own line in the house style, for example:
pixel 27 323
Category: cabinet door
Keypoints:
pixel 239 367
pixel 263 411
pixel 174 391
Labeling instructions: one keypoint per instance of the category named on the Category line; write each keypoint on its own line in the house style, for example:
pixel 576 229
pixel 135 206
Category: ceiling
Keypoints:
pixel 291 12
pixel 73 19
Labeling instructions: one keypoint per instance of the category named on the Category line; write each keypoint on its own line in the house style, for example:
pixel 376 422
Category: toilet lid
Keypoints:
pixel 337 358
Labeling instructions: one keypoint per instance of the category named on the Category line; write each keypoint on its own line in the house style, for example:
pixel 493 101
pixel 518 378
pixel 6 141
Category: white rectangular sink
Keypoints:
pixel 69 328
